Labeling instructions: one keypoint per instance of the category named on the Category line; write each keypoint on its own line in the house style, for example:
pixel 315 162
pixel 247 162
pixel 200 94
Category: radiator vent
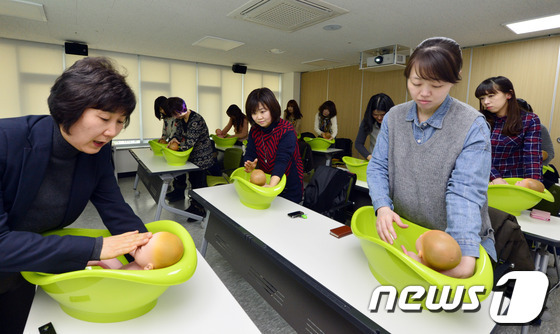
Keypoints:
pixel 287 15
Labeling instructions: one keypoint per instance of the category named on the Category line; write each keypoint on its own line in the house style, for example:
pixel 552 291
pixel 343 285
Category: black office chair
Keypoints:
pixel 552 207
pixel 306 134
pixel 346 145
pixel 306 156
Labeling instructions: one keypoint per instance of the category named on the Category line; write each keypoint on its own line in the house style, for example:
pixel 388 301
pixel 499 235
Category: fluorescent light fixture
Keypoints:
pixel 217 43
pixel 23 9
pixel 544 23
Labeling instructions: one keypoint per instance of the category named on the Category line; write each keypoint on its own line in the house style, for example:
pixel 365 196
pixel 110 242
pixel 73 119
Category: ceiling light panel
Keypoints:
pixel 217 43
pixel 543 23
pixel 23 9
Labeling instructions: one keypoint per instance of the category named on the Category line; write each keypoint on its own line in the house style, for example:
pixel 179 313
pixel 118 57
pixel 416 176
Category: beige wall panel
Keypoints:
pixel 460 89
pixel 392 83
pixel 530 65
pixel 313 93
pixel 344 90
pixel 554 129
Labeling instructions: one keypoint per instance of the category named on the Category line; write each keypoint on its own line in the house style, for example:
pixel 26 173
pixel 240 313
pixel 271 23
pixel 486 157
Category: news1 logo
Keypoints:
pixel 526 302
pixel 527 298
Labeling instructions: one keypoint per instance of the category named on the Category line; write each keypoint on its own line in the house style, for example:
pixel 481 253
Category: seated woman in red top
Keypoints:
pixel 272 144
pixel 516 134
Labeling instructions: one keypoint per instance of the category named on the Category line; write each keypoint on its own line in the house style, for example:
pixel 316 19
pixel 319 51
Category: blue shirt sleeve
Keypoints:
pixel 378 170
pixel 467 188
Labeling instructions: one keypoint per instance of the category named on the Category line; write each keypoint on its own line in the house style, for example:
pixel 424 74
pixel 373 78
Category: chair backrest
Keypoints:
pixel 232 159
pixel 328 188
pixel 306 155
pixel 552 207
pixel 550 177
pixel 306 134
pixel 345 144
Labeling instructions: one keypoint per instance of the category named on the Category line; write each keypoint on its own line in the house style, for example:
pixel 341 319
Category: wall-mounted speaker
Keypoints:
pixel 237 68
pixel 76 49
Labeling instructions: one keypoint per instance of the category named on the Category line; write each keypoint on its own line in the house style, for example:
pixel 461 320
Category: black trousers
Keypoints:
pixel 15 303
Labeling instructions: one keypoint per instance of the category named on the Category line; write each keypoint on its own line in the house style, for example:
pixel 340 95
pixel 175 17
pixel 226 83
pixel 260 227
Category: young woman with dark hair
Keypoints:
pixel 192 131
pixel 432 158
pixel 238 121
pixel 516 133
pixel 378 106
pixel 325 121
pixel 272 144
pixel 293 115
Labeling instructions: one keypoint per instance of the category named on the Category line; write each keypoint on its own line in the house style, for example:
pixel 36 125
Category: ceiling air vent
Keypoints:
pixel 287 15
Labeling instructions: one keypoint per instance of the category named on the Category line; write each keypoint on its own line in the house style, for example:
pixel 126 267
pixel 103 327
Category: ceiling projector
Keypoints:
pixel 386 59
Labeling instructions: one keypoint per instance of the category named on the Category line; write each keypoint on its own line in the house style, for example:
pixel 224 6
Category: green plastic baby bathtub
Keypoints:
pixel 356 166
pixel 514 199
pixel 223 142
pixel 253 196
pixel 111 295
pixel 176 158
pixel 390 266
pixel 156 147
pixel 319 143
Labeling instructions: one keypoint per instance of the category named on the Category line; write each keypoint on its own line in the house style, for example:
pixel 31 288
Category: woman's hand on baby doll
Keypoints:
pixel 384 224
pixel 250 165
pixel 121 244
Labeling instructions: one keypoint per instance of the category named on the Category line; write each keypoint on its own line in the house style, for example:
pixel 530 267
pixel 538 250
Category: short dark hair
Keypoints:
pixel 330 106
pixel 381 102
pixel 175 106
pixel 92 82
pixel 436 58
pixel 160 102
pixel 266 97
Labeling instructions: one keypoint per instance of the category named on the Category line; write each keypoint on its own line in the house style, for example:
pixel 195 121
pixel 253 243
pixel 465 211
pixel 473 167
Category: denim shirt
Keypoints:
pixel 467 186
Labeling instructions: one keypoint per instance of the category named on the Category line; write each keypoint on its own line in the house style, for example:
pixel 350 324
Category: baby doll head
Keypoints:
pixel 163 250
pixel 532 184
pixel 438 250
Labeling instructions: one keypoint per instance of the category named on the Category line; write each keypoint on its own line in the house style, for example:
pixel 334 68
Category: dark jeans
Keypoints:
pixel 15 303
pixel 197 179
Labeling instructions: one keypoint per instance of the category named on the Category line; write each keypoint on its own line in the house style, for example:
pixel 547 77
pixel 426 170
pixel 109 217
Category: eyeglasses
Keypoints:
pixel 378 115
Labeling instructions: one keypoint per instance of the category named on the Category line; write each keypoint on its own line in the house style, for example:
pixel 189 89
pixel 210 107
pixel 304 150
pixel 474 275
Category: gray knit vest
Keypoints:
pixel 418 174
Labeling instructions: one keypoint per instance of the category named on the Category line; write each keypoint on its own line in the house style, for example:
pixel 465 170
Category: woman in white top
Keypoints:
pixel 325 121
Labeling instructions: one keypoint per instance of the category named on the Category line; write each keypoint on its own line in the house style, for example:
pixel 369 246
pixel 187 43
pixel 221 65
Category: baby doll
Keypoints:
pixel 163 250
pixel 532 184
pixel 437 250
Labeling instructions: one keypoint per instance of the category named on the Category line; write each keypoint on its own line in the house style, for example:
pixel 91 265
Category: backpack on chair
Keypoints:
pixel 328 192
pixel 512 248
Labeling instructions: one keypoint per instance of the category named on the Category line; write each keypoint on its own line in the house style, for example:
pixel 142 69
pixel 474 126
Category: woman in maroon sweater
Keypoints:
pixel 272 144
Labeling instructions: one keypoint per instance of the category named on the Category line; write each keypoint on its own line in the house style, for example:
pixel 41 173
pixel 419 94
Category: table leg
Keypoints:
pixel 161 201
pixel 136 179
pixel 328 159
pixel 204 247
pixel 167 178
pixel 541 264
